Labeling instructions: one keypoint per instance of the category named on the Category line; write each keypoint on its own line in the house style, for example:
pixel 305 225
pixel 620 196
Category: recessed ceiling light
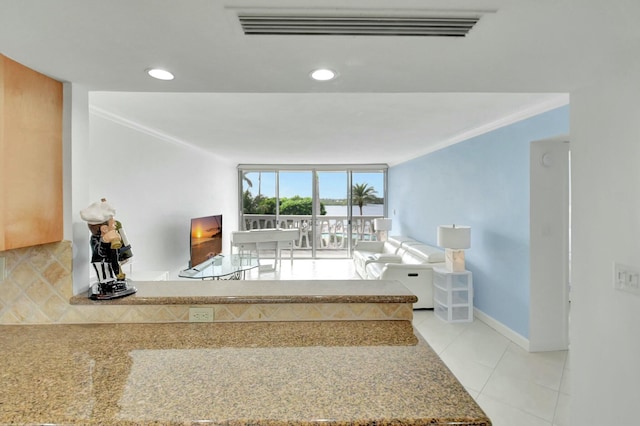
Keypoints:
pixel 323 74
pixel 160 74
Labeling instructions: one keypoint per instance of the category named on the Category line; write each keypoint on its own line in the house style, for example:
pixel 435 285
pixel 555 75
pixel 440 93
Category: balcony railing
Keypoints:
pixel 331 231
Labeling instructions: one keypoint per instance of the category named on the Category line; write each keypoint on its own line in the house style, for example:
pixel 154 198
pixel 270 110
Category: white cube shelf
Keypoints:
pixel 452 295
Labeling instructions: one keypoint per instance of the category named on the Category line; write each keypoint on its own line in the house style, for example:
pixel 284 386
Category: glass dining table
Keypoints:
pixel 222 267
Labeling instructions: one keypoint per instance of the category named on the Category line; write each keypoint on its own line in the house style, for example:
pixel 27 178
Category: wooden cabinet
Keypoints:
pixel 30 157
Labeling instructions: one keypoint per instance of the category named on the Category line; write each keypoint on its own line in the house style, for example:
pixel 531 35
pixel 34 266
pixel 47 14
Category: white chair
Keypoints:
pixel 304 233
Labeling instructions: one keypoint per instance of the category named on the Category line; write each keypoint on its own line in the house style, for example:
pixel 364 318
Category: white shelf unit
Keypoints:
pixel 452 295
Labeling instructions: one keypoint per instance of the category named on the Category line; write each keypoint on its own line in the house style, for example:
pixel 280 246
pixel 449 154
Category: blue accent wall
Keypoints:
pixel 482 182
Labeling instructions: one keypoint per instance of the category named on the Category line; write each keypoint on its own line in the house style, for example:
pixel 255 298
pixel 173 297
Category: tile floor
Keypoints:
pixel 513 386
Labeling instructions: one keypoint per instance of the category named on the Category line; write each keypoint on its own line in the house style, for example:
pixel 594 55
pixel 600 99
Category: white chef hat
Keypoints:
pixel 98 212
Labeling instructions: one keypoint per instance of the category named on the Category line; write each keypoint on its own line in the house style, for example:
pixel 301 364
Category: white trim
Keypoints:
pixel 556 102
pixel 99 112
pixel 515 337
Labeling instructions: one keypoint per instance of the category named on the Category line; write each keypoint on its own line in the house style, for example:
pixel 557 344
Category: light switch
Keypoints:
pixel 626 278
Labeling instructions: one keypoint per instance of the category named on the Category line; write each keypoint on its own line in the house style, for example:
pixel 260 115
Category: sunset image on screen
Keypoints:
pixel 206 238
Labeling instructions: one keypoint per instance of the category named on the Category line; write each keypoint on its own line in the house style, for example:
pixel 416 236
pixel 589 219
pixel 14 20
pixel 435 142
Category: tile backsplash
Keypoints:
pixel 38 286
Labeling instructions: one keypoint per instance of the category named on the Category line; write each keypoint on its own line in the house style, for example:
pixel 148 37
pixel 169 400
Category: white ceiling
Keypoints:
pixel 249 98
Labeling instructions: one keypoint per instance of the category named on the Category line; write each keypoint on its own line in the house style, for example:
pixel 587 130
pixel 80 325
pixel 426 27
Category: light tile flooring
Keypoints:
pixel 513 386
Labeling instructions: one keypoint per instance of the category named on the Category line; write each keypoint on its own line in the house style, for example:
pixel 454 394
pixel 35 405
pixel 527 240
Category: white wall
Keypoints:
pixel 605 323
pixel 549 241
pixel 482 182
pixel 156 187
pixel 76 169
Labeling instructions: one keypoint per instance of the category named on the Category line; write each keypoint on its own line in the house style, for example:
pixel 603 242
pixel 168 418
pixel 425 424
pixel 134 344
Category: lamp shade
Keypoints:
pixel 454 237
pixel 382 224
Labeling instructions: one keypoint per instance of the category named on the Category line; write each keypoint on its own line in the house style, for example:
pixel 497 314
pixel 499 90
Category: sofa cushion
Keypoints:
pixel 412 257
pixel 400 240
pixel 390 247
pixel 385 257
pixel 364 255
pixel 374 269
pixel 423 253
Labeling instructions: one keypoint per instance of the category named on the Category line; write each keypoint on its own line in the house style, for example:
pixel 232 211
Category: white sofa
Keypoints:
pixel 403 259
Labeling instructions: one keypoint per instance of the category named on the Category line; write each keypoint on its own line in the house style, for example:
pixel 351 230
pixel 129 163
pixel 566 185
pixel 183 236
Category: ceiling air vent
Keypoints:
pixel 356 25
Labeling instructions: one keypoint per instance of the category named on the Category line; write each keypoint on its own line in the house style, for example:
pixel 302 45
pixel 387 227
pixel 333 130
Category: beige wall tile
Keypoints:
pixel 38 287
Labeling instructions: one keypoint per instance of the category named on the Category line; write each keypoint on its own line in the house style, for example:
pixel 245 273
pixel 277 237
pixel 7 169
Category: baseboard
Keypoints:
pixel 516 338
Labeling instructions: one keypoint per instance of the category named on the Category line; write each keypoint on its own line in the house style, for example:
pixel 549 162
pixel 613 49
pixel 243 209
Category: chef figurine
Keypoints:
pixel 106 244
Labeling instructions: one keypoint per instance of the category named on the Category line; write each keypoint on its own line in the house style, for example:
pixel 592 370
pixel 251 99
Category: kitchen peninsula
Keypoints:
pixel 277 353
pixel 239 373
pixel 263 300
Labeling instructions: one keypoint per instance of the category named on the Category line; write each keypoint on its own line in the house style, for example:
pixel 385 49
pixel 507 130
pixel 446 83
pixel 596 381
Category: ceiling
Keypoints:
pixel 249 98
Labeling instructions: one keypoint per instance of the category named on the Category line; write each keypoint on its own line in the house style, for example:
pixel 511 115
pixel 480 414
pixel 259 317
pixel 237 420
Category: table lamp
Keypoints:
pixel 454 239
pixel 382 227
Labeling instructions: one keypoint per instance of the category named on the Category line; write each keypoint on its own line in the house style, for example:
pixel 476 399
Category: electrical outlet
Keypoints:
pixel 200 314
pixel 626 278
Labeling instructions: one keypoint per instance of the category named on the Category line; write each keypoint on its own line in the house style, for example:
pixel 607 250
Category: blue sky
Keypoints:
pixel 332 184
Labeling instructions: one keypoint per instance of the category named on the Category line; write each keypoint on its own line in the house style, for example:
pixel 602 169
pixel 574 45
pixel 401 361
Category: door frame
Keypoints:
pixel 550 244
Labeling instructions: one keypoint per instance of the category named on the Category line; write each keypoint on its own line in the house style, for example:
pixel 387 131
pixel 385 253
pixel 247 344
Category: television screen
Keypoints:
pixel 206 238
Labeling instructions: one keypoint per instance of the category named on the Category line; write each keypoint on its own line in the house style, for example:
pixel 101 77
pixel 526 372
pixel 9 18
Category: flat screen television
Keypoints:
pixel 206 238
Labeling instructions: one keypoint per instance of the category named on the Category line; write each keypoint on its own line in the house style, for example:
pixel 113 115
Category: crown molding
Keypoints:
pixel 155 133
pixel 531 111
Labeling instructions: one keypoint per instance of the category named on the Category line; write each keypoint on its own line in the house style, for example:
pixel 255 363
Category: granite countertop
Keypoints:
pixel 262 291
pixel 279 373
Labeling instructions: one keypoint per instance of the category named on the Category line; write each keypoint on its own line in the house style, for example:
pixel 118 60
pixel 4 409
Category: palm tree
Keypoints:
pixel 361 194
pixel 247 180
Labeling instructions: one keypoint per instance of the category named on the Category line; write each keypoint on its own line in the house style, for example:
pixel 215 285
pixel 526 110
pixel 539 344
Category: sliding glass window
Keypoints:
pixel 332 206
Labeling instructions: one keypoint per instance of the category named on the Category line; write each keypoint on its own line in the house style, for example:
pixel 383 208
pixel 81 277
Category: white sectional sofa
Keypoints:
pixel 403 259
